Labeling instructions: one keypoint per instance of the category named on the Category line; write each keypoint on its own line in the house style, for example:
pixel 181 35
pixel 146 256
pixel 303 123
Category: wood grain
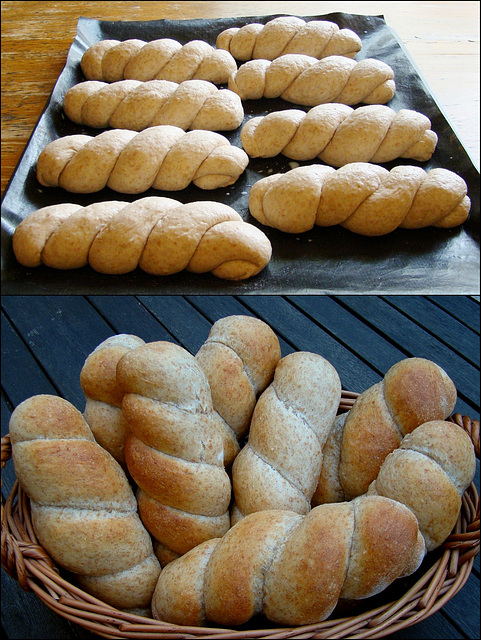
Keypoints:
pixel 442 38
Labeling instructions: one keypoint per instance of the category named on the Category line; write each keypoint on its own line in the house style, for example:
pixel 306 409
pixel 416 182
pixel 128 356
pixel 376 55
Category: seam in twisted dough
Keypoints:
pixel 135 105
pixel 163 59
pixel 307 81
pixel 164 157
pixel 364 198
pixel 338 134
pixel 159 235
pixel 289 34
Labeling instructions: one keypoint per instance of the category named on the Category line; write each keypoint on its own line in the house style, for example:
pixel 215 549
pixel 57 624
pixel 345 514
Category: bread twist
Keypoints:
pixel 163 157
pixel 307 81
pixel 338 134
pixel 130 104
pixel 83 509
pixel 292 568
pixel 163 59
pixel 279 466
pixel 289 34
pixel 103 396
pixel 413 391
pixel 159 235
pixel 364 198
pixel 429 473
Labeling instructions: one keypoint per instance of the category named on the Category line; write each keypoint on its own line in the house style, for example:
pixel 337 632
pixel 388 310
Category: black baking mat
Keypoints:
pixel 323 260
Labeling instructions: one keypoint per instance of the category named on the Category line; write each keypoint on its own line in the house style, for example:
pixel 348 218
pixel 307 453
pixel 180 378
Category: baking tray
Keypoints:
pixel 324 260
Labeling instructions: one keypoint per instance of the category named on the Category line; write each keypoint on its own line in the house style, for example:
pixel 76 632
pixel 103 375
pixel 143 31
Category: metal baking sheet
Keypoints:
pixel 323 260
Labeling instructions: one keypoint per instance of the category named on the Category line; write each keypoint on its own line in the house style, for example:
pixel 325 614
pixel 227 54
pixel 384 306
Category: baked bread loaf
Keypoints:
pixel 163 157
pixel 279 466
pixel 131 104
pixel 429 472
pixel 159 235
pixel 82 506
pixel 362 197
pixel 103 395
pixel 338 134
pixel 291 568
pixel 175 449
pixel 163 59
pixel 413 391
pixel 307 81
pixel 239 358
pixel 289 34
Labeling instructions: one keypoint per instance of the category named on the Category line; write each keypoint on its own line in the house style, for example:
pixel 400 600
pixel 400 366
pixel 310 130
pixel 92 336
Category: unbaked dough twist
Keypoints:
pixel 289 34
pixel 338 134
pixel 159 235
pixel 163 157
pixel 365 198
pixel 131 104
pixel 163 59
pixel 307 81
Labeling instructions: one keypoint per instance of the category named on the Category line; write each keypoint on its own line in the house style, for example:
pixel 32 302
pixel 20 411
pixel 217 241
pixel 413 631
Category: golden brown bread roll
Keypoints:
pixel 289 34
pixel 337 134
pixel 289 567
pixel 159 235
pixel 307 81
pixel 163 157
pixel 279 466
pixel 175 449
pixel 103 396
pixel 83 509
pixel 131 104
pixel 413 391
pixel 429 473
pixel 362 197
pixel 163 59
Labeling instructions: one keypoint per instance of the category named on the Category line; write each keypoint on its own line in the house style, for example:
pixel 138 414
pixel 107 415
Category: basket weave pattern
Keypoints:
pixel 25 560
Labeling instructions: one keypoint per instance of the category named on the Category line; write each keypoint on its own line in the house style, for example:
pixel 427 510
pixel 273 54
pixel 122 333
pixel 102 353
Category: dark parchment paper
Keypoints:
pixel 325 260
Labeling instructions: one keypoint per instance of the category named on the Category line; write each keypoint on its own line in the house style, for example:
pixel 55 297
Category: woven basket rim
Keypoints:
pixel 27 562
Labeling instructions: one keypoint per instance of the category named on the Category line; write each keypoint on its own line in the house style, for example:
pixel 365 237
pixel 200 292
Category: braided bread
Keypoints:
pixel 280 465
pixel 364 198
pixel 103 396
pixel 413 391
pixel 130 104
pixel 307 81
pixel 159 235
pixel 338 134
pixel 163 59
pixel 163 157
pixel 83 509
pixel 291 568
pixel 174 451
pixel 429 473
pixel 289 34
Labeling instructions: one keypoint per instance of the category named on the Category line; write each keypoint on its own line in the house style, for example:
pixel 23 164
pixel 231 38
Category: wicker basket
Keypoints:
pixel 441 576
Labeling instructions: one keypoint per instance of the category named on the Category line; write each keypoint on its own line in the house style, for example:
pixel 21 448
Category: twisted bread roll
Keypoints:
pixel 364 198
pixel 429 473
pixel 239 358
pixel 289 567
pixel 163 157
pixel 338 134
pixel 130 104
pixel 175 451
pixel 413 391
pixel 159 235
pixel 307 81
pixel 279 466
pixel 103 396
pixel 163 59
pixel 83 509
pixel 289 34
